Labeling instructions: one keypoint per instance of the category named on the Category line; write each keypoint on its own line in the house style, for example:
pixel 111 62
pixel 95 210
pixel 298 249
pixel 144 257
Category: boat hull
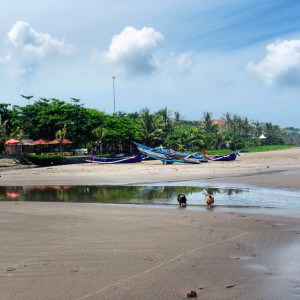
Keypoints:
pixel 226 157
pixel 115 160
pixel 168 156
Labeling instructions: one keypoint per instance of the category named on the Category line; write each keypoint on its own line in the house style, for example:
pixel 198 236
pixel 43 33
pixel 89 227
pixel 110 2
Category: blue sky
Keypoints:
pixel 193 56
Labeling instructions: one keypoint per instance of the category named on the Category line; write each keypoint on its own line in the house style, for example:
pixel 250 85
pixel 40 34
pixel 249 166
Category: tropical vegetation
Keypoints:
pixel 93 129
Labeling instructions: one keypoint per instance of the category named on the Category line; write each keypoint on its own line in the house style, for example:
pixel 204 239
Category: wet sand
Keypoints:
pixel 79 251
pixel 97 251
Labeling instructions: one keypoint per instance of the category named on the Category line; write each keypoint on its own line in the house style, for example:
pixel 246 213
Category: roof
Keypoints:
pixel 11 142
pixel 58 141
pixel 40 142
pixel 220 121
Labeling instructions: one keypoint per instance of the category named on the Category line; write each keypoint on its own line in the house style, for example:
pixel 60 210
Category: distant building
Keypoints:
pixel 220 122
pixel 262 136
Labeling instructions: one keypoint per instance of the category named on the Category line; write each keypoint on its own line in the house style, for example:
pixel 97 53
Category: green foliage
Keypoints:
pixel 45 117
pixel 87 128
pixel 187 138
pixel 151 128
pixel 5 112
pixel 291 135
pixel 42 160
pixel 208 122
pixel 100 132
pixel 120 129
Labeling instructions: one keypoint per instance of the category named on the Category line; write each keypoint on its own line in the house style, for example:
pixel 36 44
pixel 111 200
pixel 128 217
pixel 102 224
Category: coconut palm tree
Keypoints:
pixel 257 128
pixel 208 122
pixel 150 127
pixel 166 121
pixel 100 132
pixel 177 117
pixel 218 139
pixel 7 132
pixel 3 130
pixel 60 135
pixel 229 121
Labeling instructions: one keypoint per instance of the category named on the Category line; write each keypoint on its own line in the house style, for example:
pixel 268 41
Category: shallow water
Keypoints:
pixel 154 195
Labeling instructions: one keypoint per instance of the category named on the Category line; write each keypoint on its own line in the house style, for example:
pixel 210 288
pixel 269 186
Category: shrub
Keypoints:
pixel 42 160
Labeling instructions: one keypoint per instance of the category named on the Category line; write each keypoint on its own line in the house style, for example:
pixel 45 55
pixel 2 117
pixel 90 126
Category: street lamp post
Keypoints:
pixel 113 78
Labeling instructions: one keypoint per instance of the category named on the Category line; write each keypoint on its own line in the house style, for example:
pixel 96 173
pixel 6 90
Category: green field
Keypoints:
pixel 253 149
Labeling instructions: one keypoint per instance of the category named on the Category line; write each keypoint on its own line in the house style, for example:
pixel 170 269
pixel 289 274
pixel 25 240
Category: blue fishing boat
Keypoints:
pixel 225 157
pixel 169 156
pixel 115 160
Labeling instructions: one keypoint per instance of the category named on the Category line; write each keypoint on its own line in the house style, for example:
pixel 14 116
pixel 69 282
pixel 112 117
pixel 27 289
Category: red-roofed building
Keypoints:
pixel 220 122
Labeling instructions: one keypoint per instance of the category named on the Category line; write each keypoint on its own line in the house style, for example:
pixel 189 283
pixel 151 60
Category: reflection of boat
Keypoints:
pixel 225 157
pixel 47 187
pixel 115 160
pixel 148 189
pixel 60 187
pixel 169 156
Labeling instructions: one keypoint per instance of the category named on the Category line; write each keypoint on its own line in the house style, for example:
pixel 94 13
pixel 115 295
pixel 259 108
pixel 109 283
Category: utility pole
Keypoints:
pixel 113 78
pixel 27 97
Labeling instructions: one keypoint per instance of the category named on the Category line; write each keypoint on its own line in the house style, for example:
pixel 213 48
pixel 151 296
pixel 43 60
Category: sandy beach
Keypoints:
pixel 106 251
pixel 275 168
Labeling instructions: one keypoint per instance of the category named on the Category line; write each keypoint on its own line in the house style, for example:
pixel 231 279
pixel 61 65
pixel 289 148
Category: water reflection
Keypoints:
pixel 162 195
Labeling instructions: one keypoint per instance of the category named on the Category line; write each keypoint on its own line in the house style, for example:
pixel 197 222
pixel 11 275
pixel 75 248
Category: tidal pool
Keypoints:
pixel 153 194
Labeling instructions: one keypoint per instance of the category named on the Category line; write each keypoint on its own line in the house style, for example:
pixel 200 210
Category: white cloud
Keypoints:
pixel 131 50
pixel 26 48
pixel 179 64
pixel 281 64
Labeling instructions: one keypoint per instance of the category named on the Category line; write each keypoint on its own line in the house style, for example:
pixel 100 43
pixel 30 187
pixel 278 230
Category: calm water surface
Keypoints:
pixel 154 195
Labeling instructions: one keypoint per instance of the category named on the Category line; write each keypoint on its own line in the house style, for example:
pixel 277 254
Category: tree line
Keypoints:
pixel 89 128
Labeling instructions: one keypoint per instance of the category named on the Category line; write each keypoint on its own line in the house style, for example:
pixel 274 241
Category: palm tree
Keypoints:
pixel 177 117
pixel 237 125
pixel 208 123
pixel 218 139
pixel 229 121
pixel 246 126
pixel 151 127
pixel 60 135
pixel 257 128
pixel 3 133
pixel 3 127
pixel 192 137
pixel 100 132
pixel 16 133
pixel 274 134
pixel 165 116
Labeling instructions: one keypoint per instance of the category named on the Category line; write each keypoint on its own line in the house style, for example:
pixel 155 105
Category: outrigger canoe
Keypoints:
pixel 115 160
pixel 169 157
pixel 225 157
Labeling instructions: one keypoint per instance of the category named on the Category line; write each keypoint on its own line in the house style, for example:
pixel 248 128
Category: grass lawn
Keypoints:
pixel 253 149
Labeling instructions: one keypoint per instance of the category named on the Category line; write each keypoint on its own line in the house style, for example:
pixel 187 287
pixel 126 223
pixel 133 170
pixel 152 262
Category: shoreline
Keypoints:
pixel 279 168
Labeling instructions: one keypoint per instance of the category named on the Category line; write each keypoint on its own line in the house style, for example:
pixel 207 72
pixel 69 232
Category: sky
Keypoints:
pixel 194 56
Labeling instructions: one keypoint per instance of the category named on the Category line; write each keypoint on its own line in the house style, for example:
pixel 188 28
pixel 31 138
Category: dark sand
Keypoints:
pixel 95 251
pixel 79 251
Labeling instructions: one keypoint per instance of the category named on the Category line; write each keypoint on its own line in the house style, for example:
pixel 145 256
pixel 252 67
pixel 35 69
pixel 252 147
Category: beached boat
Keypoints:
pixel 115 160
pixel 169 156
pixel 225 157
